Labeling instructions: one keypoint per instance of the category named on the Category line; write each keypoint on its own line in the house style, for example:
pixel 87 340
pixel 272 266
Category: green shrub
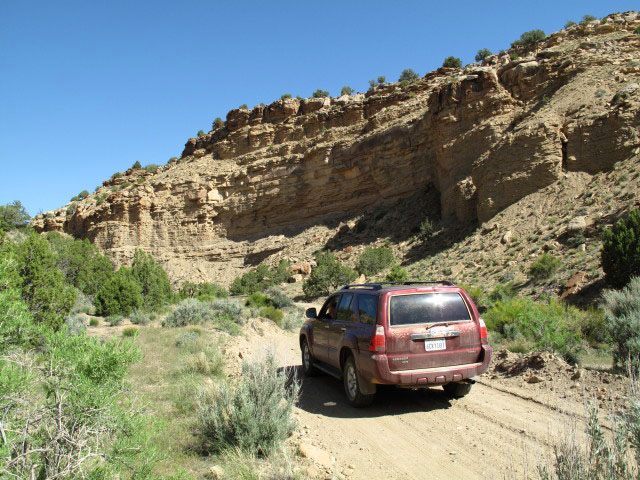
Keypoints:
pixel 513 56
pixel 502 292
pixel 593 326
pixel 588 18
pixel 228 307
pixel 598 455
pixel 217 123
pixel 327 276
pixel 153 280
pixel 151 168
pixel 13 215
pixel 42 283
pixel 258 300
pixel 201 133
pixel 272 313
pixel 285 96
pixel 478 296
pixel 292 321
pixel 551 326
pixel 570 23
pixel 622 317
pixel 74 325
pixel 482 54
pixel 397 274
pixel 188 339
pixel 137 164
pixel 452 62
pixel 72 209
pixel 620 255
pixel 120 295
pixel 529 39
pixel 130 332
pixel 372 83
pixel 320 94
pixel 260 279
pixel 407 76
pixel 139 317
pixel 278 298
pixel 114 320
pixel 637 31
pixel 427 228
pixel 346 90
pixel 83 304
pixel 207 361
pixel 116 175
pixel 244 106
pixel 202 291
pixel 255 415
pixel 81 262
pixel 69 412
pixel 544 267
pixel 75 198
pixel 94 322
pixel 189 312
pixel 374 260
pixel 382 79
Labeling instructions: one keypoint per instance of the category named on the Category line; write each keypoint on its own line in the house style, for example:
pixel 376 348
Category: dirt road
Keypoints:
pixel 498 431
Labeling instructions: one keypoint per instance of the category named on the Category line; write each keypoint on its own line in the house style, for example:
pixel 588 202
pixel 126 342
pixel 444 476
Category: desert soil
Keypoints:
pixel 502 429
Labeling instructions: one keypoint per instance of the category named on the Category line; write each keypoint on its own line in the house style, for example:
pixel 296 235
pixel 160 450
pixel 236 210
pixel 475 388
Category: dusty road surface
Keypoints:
pixel 500 430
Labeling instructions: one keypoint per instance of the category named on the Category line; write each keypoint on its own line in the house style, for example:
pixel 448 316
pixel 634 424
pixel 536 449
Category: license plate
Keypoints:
pixel 431 345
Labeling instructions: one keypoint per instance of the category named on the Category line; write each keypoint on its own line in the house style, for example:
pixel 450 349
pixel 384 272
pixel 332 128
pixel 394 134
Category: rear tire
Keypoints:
pixel 457 389
pixel 351 380
pixel 308 367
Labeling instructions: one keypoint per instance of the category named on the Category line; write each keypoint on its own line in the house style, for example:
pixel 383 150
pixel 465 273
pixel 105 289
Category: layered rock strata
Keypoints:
pixel 483 136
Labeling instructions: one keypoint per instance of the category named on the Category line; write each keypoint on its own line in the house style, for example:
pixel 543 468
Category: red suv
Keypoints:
pixel 410 334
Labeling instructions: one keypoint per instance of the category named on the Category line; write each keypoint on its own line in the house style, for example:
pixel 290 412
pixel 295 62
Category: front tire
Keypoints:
pixel 351 380
pixel 308 367
pixel 457 389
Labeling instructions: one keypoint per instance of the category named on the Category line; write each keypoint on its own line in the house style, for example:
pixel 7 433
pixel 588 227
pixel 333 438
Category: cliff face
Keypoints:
pixel 482 137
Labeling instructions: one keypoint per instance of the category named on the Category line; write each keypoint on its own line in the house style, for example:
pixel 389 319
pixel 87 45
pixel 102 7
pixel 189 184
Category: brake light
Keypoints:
pixel 483 330
pixel 378 342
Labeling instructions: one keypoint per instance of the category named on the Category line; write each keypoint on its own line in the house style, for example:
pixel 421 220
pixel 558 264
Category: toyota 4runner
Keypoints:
pixel 409 334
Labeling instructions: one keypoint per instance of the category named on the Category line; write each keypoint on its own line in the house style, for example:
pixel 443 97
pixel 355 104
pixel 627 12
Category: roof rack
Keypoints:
pixel 379 285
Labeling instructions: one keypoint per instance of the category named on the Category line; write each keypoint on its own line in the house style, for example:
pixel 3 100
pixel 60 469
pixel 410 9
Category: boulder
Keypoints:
pixel 303 268
pixel 577 224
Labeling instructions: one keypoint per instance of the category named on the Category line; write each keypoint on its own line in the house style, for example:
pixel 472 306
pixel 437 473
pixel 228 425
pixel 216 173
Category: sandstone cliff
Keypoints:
pixel 279 178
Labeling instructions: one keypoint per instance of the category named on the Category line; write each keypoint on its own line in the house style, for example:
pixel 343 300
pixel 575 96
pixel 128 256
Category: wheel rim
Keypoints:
pixel 352 381
pixel 305 356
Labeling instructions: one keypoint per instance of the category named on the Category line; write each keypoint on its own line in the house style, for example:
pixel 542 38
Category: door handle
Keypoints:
pixel 326 326
pixel 344 329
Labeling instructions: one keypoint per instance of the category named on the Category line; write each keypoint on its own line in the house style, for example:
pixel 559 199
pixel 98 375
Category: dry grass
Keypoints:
pixel 165 389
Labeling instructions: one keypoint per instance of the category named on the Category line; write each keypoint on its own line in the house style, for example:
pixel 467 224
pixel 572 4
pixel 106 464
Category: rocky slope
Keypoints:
pixel 461 145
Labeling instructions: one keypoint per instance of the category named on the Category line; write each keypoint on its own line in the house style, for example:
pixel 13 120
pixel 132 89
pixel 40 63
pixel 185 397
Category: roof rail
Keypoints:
pixel 379 285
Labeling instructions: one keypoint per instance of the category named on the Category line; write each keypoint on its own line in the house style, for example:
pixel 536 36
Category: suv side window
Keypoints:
pixel 368 308
pixel 330 309
pixel 346 311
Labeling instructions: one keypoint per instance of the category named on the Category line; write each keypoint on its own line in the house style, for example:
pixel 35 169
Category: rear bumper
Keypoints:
pixel 375 368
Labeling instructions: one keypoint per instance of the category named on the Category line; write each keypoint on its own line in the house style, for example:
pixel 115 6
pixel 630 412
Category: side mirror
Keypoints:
pixel 311 313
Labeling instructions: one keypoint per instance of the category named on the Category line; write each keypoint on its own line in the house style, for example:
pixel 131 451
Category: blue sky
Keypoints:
pixel 89 87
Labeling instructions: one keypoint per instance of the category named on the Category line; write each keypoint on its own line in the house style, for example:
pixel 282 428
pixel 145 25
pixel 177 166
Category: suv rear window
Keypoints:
pixel 428 308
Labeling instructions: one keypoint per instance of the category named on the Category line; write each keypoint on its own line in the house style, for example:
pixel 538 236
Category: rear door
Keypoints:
pixel 431 329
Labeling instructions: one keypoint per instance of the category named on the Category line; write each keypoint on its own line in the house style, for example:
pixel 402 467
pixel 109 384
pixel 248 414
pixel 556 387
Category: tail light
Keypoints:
pixel 483 330
pixel 378 342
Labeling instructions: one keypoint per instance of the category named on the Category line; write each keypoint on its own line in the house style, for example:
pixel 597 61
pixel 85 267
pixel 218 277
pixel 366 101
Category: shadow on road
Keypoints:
pixel 324 395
